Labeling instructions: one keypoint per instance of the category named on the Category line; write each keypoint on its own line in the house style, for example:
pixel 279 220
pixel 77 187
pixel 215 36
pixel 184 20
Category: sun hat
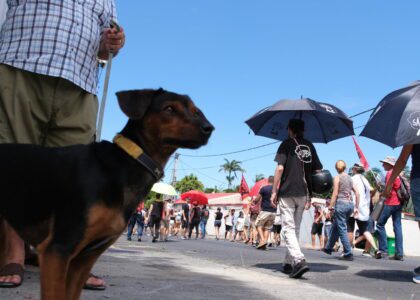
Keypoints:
pixel 389 160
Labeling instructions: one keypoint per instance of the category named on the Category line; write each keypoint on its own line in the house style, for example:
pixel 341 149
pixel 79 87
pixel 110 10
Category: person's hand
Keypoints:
pixel 273 198
pixel 273 204
pixel 112 40
pixel 355 212
pixel 307 205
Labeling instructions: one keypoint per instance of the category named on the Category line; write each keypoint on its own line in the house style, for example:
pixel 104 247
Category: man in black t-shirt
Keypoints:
pixel 297 160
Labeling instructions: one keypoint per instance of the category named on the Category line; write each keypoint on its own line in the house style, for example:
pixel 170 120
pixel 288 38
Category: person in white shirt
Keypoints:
pixel 364 223
pixel 239 226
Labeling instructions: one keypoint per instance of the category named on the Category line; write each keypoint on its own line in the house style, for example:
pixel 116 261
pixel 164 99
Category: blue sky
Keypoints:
pixel 236 57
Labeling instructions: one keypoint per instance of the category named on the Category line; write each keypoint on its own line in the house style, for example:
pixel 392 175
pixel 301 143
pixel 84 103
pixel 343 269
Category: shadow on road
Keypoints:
pixel 387 275
pixel 315 267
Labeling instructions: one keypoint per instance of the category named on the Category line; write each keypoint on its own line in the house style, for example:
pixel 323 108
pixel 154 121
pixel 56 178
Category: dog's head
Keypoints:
pixel 167 118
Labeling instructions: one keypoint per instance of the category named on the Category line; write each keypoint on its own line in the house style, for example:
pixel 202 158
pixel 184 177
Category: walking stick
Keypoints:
pixel 105 90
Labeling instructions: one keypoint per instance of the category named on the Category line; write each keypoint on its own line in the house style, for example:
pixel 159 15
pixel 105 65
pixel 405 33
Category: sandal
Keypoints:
pixel 12 269
pixel 94 287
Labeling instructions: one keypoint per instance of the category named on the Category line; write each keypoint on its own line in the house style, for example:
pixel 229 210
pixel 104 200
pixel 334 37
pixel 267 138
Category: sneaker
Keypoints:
pixel 416 271
pixel 154 240
pixel 287 268
pixel 270 245
pixel 416 278
pixel 348 257
pixel 397 257
pixel 299 269
pixel 254 245
pixel 327 251
pixel 129 239
pixel 183 238
pixel 139 240
pixel 379 254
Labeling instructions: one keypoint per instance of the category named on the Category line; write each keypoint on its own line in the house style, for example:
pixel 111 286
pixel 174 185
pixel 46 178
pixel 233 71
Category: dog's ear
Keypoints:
pixel 134 103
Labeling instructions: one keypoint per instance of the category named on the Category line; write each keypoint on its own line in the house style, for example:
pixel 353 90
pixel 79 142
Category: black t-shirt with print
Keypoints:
pixel 186 209
pixel 265 193
pixel 295 157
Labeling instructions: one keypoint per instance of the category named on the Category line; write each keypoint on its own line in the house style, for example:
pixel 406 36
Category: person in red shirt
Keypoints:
pixel 392 208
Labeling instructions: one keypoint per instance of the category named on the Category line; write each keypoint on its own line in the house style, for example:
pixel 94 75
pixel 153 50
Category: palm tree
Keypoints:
pixel 231 167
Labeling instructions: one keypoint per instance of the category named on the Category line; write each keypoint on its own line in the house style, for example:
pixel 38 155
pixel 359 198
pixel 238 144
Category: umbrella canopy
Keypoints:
pixel 180 201
pixel 396 119
pixel 164 188
pixel 196 196
pixel 323 122
pixel 258 185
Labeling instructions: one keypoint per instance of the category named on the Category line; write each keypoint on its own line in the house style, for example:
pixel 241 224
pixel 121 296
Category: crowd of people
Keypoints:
pixel 276 213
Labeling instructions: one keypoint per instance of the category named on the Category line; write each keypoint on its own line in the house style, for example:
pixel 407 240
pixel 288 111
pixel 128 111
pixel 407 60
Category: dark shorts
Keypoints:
pixel 362 225
pixel 185 224
pixel 155 221
pixel 228 228
pixel 317 228
pixel 276 228
pixel 218 223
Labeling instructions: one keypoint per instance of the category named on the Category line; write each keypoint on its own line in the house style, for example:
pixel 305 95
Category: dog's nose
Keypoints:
pixel 207 128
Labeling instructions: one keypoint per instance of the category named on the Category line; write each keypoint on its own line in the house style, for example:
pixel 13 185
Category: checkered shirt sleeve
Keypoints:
pixel 58 38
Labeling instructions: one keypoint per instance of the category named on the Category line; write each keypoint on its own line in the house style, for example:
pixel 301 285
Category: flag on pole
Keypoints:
pixel 362 157
pixel 243 188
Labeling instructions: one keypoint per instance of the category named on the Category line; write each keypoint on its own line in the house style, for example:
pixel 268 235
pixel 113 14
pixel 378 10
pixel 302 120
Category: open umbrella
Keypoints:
pixel 323 122
pixel 396 119
pixel 195 196
pixel 257 186
pixel 164 188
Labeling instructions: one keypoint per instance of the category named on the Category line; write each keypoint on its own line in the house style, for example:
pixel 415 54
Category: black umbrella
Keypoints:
pixel 396 119
pixel 323 122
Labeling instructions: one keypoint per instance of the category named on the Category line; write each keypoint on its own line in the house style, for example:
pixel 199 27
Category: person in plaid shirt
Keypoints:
pixel 49 51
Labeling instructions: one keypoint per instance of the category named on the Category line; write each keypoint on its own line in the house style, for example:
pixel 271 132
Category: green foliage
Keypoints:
pixel 374 176
pixel 189 183
pixel 231 167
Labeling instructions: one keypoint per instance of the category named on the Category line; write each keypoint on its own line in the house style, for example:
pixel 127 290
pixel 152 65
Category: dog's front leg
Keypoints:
pixel 54 267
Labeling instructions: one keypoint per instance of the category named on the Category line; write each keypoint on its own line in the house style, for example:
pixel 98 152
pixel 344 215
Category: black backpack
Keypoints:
pixel 403 193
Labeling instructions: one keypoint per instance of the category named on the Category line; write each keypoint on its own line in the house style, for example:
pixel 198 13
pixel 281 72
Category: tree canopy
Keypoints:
pixel 230 167
pixel 189 183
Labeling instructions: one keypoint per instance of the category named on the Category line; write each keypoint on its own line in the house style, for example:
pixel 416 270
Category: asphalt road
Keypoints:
pixel 210 269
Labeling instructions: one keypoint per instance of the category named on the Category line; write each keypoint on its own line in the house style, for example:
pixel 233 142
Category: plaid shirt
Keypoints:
pixel 57 38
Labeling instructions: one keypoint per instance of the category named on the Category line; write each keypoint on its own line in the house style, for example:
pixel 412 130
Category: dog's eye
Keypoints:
pixel 196 114
pixel 169 109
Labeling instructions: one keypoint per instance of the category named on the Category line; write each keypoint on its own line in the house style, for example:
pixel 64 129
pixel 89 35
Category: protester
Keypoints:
pixel 171 222
pixel 277 228
pixel 218 222
pixel 166 218
pixel 203 221
pixel 317 226
pixel 239 227
pixel 254 210
pixel 363 220
pixel 185 222
pixel 342 203
pixel 328 215
pixel 136 218
pixel 229 222
pixel 194 219
pixel 265 219
pixel 414 151
pixel 49 56
pixel 155 217
pixel 392 207
pixel 297 160
pixel 247 227
pixel 178 219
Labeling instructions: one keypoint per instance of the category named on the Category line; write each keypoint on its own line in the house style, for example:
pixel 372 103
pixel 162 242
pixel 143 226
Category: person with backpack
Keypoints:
pixel 195 216
pixel 203 221
pixel 296 161
pixel 408 150
pixel 392 207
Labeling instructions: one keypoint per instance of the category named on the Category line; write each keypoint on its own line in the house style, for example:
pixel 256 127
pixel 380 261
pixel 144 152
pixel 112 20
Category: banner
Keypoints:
pixel 362 157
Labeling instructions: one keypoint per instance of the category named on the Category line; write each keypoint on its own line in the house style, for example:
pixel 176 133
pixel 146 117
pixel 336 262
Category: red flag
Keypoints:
pixel 243 188
pixel 362 157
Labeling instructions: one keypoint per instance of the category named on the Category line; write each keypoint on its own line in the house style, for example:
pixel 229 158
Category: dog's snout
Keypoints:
pixel 207 128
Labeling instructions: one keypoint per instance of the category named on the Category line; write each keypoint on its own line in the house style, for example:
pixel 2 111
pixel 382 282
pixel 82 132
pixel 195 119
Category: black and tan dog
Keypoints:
pixel 72 203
